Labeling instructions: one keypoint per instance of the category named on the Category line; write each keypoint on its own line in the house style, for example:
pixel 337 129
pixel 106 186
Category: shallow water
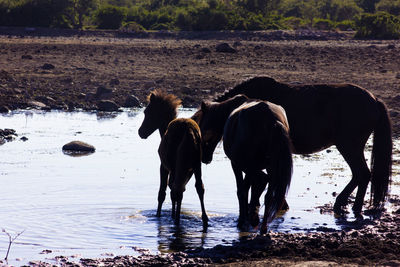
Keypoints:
pixel 104 204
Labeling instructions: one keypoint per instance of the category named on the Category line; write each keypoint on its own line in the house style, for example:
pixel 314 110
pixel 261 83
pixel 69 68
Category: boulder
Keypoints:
pixel 107 105
pixel 225 48
pixel 132 101
pixel 78 146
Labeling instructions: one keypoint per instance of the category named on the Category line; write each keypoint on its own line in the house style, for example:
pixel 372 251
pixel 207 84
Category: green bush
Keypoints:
pixel 294 23
pixel 110 17
pixel 323 24
pixel 389 6
pixel 132 26
pixel 379 26
pixel 345 25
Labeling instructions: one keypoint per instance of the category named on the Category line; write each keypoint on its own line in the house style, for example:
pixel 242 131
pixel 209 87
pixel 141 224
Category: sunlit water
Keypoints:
pixel 104 204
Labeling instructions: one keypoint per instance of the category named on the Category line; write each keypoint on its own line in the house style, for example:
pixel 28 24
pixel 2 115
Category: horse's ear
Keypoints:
pixel 152 96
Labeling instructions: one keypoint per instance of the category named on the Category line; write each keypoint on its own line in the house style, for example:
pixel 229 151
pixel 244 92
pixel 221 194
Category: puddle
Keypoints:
pixel 104 204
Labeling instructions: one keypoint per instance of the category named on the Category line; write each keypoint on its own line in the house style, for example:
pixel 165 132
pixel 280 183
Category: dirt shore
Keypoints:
pixel 108 70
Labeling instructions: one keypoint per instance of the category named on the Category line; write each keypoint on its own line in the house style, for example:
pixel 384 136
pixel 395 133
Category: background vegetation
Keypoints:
pixel 371 18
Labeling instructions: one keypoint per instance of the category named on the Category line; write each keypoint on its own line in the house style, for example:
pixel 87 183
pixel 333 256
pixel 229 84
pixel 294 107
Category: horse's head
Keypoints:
pixel 211 125
pixel 158 113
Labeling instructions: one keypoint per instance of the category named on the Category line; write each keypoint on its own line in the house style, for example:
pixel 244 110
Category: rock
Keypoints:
pixel 4 109
pixel 78 146
pixel 114 82
pixel 26 57
pixel 107 105
pixel 391 46
pixel 131 101
pixel 47 100
pixel 48 66
pixel 103 92
pixel 205 50
pixel 225 48
pixel 24 138
pixel 37 105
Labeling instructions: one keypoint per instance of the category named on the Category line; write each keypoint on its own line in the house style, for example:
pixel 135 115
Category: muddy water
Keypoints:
pixel 104 204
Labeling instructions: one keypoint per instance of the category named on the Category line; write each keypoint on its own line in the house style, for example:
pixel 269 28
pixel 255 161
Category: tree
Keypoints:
pixel 367 5
pixel 79 10
pixel 390 6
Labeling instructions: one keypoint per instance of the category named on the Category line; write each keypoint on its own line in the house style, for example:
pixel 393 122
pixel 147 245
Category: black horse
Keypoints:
pixel 322 115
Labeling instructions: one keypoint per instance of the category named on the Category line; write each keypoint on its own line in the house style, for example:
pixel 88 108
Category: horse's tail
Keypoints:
pixel 281 171
pixel 381 160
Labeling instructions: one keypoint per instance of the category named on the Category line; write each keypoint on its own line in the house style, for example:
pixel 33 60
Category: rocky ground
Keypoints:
pixel 48 69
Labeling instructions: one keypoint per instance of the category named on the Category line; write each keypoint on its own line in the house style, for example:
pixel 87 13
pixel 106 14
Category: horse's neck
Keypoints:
pixel 164 125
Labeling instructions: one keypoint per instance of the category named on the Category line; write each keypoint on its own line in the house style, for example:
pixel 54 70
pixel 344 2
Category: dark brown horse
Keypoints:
pixel 212 118
pixel 343 115
pixel 256 138
pixel 179 150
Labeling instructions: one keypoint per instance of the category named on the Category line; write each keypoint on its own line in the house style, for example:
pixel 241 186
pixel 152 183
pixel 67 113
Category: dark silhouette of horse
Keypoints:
pixel 249 129
pixel 322 115
pixel 179 150
pixel 256 137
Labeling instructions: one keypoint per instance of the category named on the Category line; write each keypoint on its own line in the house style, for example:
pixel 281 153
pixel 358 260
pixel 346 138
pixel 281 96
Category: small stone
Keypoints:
pixel 225 48
pixel 206 50
pixel 78 146
pixel 107 105
pixel 26 57
pixel 24 138
pixel 48 66
pixel 37 105
pixel 114 82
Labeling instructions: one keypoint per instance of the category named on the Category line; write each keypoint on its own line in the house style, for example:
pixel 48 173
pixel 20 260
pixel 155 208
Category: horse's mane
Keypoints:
pixel 243 87
pixel 169 101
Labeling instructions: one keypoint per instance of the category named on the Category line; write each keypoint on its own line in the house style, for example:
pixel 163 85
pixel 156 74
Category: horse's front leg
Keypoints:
pixel 172 193
pixel 242 195
pixel 200 192
pixel 163 188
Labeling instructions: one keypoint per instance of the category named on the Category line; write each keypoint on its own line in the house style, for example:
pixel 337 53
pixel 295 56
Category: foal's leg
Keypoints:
pixel 200 191
pixel 354 156
pixel 242 194
pixel 172 193
pixel 163 188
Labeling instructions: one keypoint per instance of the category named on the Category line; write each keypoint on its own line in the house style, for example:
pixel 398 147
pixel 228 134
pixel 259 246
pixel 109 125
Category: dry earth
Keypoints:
pixel 69 70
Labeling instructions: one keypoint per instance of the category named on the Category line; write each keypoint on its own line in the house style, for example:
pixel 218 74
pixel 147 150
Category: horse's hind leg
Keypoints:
pixel 360 178
pixel 259 181
pixel 242 194
pixel 163 188
pixel 200 191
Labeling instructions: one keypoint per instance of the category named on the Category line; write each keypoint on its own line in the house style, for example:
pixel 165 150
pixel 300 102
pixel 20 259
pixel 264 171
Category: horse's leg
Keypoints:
pixel 258 183
pixel 200 191
pixel 361 175
pixel 172 193
pixel 241 194
pixel 163 188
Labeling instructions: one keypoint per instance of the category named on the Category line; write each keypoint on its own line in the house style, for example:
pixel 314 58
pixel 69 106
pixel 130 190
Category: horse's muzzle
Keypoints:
pixel 142 133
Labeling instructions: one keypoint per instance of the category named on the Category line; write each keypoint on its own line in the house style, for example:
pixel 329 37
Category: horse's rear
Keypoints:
pixel 256 137
pixel 180 153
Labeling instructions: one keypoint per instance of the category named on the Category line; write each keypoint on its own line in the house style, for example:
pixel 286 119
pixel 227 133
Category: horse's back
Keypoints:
pixel 181 142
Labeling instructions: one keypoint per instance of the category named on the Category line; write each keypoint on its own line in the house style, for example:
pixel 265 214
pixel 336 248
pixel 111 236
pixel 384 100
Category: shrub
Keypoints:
pixel 323 24
pixel 132 26
pixel 110 17
pixel 345 25
pixel 294 23
pixel 389 6
pixel 378 26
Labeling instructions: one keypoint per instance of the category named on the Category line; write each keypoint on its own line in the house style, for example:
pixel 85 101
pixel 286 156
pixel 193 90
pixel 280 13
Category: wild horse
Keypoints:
pixel 255 138
pixel 179 150
pixel 322 115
